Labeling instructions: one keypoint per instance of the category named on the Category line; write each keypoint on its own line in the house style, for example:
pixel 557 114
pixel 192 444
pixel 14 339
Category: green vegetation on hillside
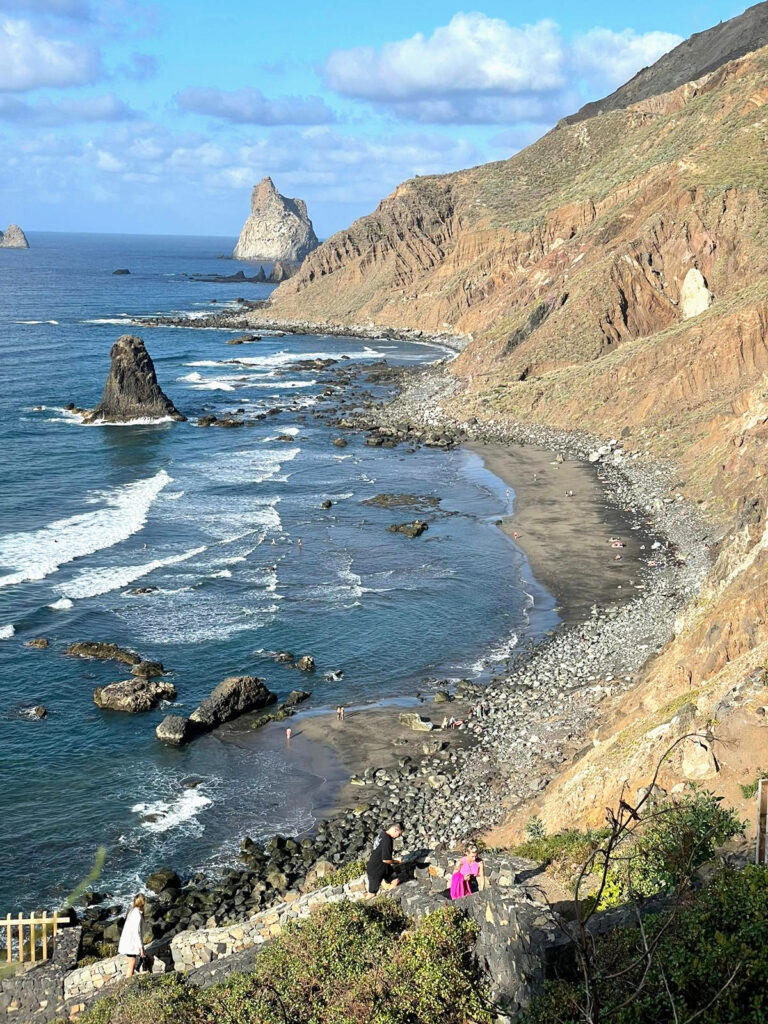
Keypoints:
pixel 709 963
pixel 349 963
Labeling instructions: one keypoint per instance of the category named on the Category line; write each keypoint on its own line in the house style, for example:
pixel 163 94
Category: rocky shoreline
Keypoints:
pixel 249 317
pixel 516 748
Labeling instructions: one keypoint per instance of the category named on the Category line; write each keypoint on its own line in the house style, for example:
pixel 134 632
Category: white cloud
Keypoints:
pixel 612 58
pixel 481 70
pixel 250 106
pixel 64 112
pixel 29 60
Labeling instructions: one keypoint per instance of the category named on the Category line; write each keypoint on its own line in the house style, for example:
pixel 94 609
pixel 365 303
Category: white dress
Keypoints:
pixel 131 941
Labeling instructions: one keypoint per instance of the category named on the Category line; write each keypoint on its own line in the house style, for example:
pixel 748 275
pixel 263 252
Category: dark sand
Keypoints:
pixel 566 541
pixel 566 538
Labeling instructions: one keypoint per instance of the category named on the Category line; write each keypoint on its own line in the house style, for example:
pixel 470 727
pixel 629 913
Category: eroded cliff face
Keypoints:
pixel 276 229
pixel 614 279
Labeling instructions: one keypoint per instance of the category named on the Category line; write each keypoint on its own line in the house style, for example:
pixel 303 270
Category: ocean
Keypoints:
pixel 206 521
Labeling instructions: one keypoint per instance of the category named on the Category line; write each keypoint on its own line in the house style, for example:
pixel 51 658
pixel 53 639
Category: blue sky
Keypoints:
pixel 158 117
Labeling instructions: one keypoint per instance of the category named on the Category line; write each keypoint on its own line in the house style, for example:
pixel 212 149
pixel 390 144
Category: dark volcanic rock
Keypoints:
pixel 132 391
pixel 103 651
pixel 175 729
pixel 232 697
pixel 162 880
pixel 39 642
pixel 306 663
pixel 148 669
pixel 133 695
pixel 121 272
pixel 693 58
pixel 414 529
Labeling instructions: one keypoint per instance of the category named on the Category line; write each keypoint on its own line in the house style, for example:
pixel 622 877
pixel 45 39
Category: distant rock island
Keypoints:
pixel 132 391
pixel 280 271
pixel 14 238
pixel 277 228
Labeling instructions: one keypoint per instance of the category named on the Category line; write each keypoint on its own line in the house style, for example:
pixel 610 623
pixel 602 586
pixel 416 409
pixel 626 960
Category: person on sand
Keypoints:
pixel 444 723
pixel 288 734
pixel 382 865
pixel 469 877
pixel 299 543
pixel 131 940
pixel 341 713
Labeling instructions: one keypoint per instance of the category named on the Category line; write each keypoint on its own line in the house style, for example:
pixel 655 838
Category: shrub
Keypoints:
pixel 346 873
pixel 349 963
pixel 669 846
pixel 564 851
pixel 712 956
pixel 750 788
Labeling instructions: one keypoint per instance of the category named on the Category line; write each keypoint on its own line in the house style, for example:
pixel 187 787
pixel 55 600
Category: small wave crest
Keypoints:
pixel 38 553
pixel 6 632
pixel 163 815
pixel 94 582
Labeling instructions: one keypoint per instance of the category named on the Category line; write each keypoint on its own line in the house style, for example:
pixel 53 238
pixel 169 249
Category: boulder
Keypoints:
pixel 296 697
pixel 13 238
pixel 340 442
pixel 284 657
pixel 131 391
pixel 121 272
pixel 39 711
pixel 699 761
pixel 163 880
pixel 175 730
pixel 232 697
pixel 327 503
pixel 103 651
pixel 277 228
pixel 306 663
pixel 148 669
pixel 414 721
pixel 133 695
pixel 40 642
pixel 414 529
pixel 695 297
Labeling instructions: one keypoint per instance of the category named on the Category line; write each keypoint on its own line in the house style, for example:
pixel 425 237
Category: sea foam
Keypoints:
pixel 93 582
pixel 38 553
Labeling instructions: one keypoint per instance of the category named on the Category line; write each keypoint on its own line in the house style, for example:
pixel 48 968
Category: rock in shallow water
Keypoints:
pixel 133 695
pixel 175 730
pixel 232 697
pixel 103 652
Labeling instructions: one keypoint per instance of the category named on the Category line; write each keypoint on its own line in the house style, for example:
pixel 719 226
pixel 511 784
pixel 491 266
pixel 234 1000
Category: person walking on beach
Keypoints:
pixel 288 734
pixel 131 939
pixel 382 865
pixel 299 543
pixel 341 713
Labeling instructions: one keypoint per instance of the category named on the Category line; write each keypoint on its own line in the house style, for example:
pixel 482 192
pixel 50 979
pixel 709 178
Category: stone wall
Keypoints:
pixel 37 993
pixel 84 981
pixel 195 948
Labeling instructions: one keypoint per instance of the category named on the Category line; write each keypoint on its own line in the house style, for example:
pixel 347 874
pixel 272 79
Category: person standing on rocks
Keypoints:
pixel 131 939
pixel 382 865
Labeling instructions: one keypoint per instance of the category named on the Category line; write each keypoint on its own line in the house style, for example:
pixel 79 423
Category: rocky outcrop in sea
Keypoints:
pixel 132 391
pixel 278 228
pixel 13 238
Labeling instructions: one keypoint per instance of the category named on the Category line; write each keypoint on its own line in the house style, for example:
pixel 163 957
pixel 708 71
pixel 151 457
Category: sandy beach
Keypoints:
pixel 564 522
pixel 567 540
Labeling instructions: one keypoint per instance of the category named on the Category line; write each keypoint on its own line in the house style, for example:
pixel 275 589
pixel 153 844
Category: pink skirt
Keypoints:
pixel 459 886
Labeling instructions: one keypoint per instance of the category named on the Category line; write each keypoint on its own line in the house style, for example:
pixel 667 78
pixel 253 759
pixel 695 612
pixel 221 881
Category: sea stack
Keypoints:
pixel 277 229
pixel 13 238
pixel 132 391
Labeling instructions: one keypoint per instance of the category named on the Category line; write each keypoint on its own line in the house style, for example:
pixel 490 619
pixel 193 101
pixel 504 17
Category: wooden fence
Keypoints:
pixel 761 840
pixel 16 928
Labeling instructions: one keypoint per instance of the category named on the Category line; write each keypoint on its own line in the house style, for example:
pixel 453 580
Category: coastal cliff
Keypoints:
pixel 13 238
pixel 614 280
pixel 277 228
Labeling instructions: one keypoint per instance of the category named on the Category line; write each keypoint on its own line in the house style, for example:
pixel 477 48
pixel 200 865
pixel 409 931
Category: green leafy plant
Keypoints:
pixel 749 789
pixel 710 963
pixel 349 963
pixel 665 851
pixel 535 829
pixel 346 873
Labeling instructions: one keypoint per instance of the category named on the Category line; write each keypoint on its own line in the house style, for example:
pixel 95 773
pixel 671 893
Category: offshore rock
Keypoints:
pixel 133 695
pixel 277 228
pixel 13 238
pixel 232 697
pixel 175 730
pixel 103 652
pixel 132 391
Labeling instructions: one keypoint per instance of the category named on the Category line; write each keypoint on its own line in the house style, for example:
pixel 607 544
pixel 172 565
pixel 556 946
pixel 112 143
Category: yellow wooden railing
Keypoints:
pixel 16 928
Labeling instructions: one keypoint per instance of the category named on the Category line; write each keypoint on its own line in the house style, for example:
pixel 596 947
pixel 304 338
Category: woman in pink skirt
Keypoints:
pixel 470 876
